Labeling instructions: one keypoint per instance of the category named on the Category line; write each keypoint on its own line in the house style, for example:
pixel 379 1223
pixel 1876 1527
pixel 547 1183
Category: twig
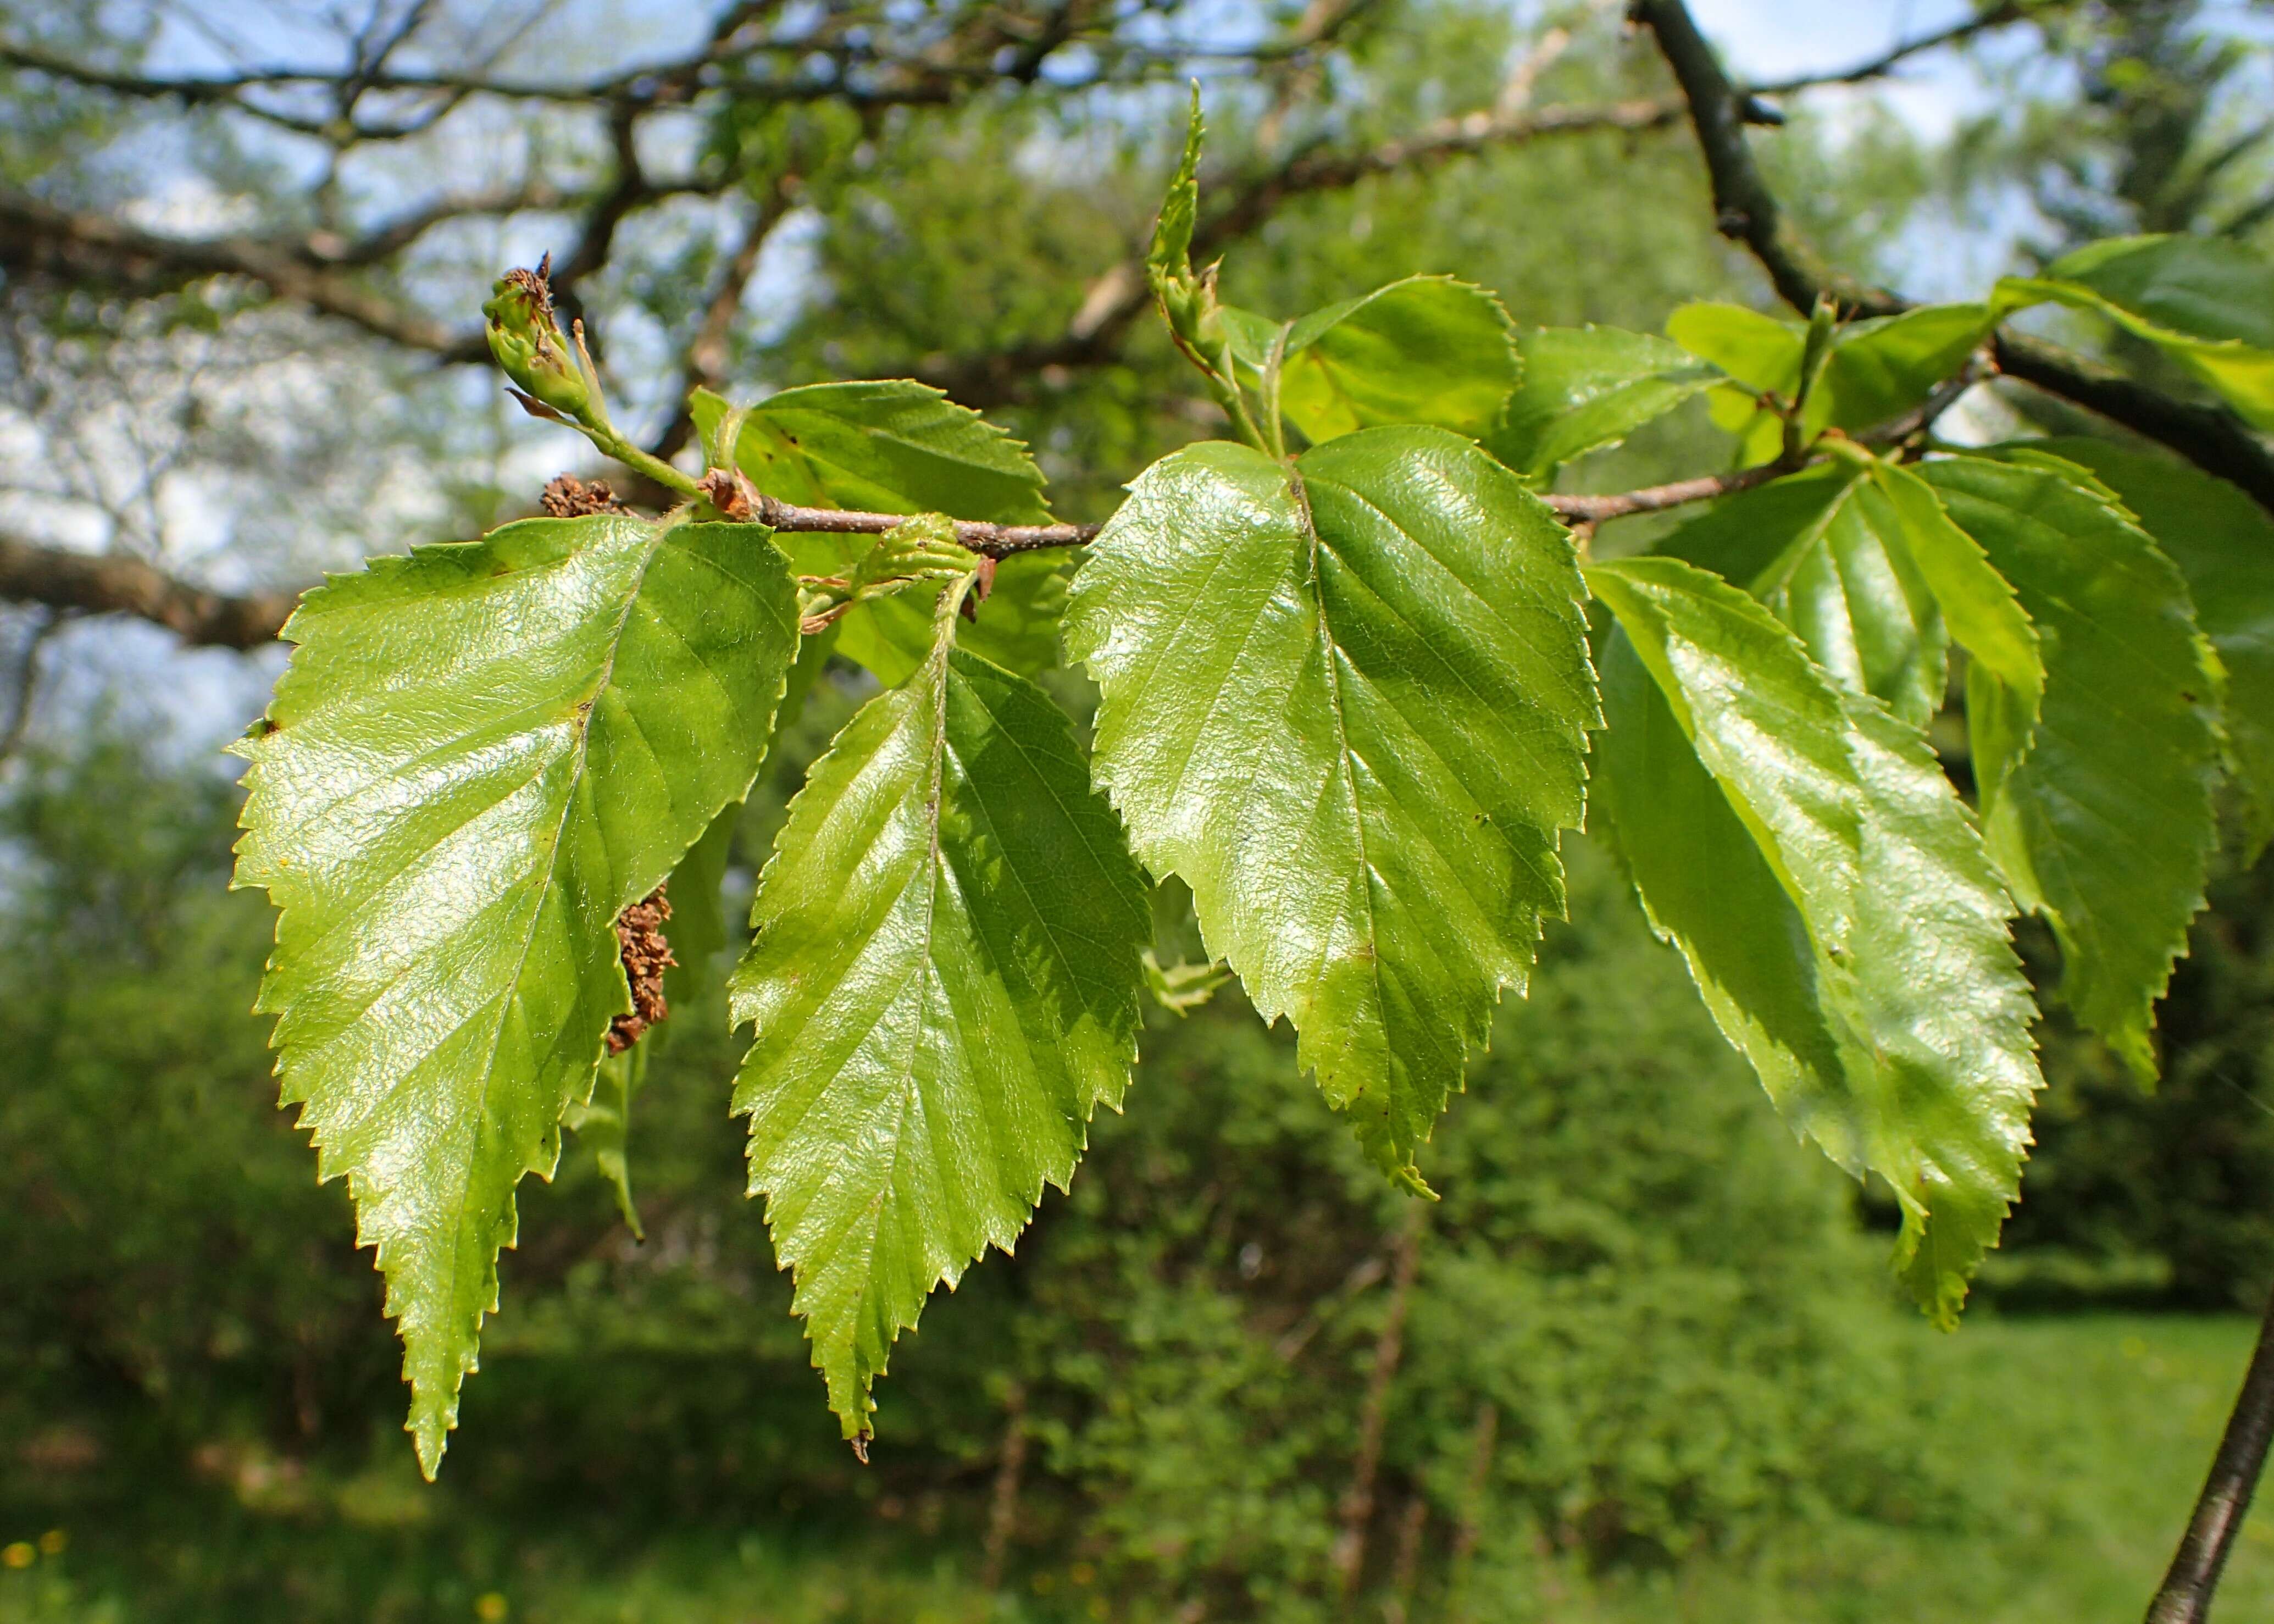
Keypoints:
pixel 2186 1595
pixel 2212 438
pixel 1405 1565
pixel 1658 498
pixel 1880 66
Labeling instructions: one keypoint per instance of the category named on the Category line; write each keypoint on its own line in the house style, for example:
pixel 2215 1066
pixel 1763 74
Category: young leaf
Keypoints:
pixel 1349 707
pixel 1168 261
pixel 2105 825
pixel 2224 543
pixel 895 446
pixel 1427 350
pixel 2207 303
pixel 1880 368
pixel 480 757
pixel 602 1125
pixel 944 978
pixel 1834 901
pixel 1585 388
pixel 1877 369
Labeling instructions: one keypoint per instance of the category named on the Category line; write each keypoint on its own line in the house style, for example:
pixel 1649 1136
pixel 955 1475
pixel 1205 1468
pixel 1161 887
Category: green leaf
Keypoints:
pixel 1879 369
pixel 1979 605
pixel 480 755
pixel 894 445
pixel 1825 551
pixel 2224 543
pixel 1834 900
pixel 1427 350
pixel 2207 302
pixel 1169 258
pixel 1181 987
pixel 1863 563
pixel 2105 825
pixel 944 978
pixel 602 1125
pixel 1584 389
pixel 1760 351
pixel 696 893
pixel 1349 708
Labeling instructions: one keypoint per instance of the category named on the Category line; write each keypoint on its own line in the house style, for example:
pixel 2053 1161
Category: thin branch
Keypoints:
pixel 2186 1595
pixel 1880 66
pixel 1744 209
pixel 37 238
pixel 1659 498
pixel 2212 438
pixel 96 584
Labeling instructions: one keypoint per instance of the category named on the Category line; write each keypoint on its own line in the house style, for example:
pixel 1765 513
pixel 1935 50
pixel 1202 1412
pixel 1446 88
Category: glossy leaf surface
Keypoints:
pixel 894 445
pixel 1349 708
pixel 1587 389
pixel 1833 899
pixel 1427 350
pixel 944 980
pixel 2101 819
pixel 480 755
pixel 2224 543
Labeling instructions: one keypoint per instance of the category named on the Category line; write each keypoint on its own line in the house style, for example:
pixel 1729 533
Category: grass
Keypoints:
pixel 2082 1439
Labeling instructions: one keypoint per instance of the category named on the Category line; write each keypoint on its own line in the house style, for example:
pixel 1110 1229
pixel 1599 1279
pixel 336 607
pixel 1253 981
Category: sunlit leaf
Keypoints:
pixel 1585 388
pixel 2105 824
pixel 944 978
pixel 1348 706
pixel 1833 899
pixel 480 755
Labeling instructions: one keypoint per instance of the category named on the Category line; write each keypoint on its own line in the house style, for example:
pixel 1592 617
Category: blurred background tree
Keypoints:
pixel 1638 1364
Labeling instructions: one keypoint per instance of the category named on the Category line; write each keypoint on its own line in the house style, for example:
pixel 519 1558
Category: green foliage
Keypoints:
pixel 1585 388
pixel 944 984
pixel 1344 698
pixel 1775 828
pixel 1292 664
pixel 2221 540
pixel 2206 302
pixel 1427 350
pixel 2102 817
pixel 480 757
pixel 900 447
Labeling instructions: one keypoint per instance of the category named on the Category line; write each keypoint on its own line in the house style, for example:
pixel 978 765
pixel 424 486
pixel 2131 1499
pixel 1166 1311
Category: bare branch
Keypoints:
pixel 2212 438
pixel 1880 66
pixel 37 238
pixel 96 583
pixel 2185 1593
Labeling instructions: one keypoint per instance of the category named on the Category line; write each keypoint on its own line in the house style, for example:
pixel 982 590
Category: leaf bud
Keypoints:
pixel 527 340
